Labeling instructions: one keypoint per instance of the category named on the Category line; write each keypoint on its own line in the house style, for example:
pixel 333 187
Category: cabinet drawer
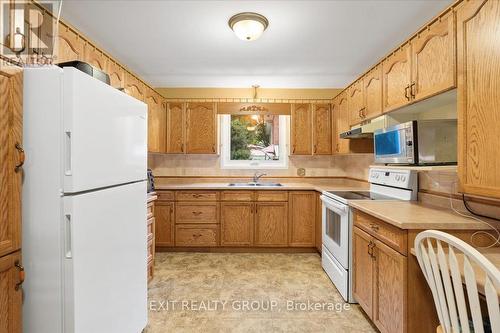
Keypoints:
pixel 150 223
pixel 150 270
pixel 165 195
pixel 394 237
pixel 196 212
pixel 196 196
pixel 237 195
pixel 197 235
pixel 150 249
pixel 272 196
pixel 150 211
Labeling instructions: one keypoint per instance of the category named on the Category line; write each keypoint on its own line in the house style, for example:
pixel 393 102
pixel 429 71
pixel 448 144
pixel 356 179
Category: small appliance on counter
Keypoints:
pixel 417 142
pixel 151 181
pixel 337 221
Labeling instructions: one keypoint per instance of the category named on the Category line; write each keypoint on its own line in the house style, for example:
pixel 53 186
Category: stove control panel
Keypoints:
pixel 401 178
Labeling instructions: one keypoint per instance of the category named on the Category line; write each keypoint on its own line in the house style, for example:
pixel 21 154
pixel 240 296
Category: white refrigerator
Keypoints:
pixel 84 205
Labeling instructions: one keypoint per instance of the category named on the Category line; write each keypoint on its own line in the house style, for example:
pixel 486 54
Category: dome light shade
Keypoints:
pixel 248 26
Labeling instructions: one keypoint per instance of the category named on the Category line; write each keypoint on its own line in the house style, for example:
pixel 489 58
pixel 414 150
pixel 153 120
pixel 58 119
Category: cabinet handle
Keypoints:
pixel 213 148
pixel 371 245
pixel 315 149
pixel 21 275
pixel 21 157
pixel 197 235
pixel 374 227
pixel 406 92
pixel 412 89
pixel 196 195
pixel 293 149
pixel 338 148
pixel 197 213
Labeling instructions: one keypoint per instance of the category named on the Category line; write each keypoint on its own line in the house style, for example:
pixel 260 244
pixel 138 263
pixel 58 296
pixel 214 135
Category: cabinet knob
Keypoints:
pixel 21 275
pixel 374 227
pixel 197 213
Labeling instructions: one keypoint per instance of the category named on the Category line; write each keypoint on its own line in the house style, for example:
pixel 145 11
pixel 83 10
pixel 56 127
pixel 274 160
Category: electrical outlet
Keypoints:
pixel 301 172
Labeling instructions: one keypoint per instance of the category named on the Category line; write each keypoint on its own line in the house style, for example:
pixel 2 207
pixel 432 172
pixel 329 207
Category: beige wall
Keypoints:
pixel 264 93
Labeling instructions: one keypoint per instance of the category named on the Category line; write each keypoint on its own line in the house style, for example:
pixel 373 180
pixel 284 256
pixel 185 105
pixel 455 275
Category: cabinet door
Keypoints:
pixel 201 130
pixel 433 58
pixel 69 45
pixel 11 128
pixel 156 122
pixel 356 103
pixel 271 223
pixel 478 37
pixel 335 129
pixel 134 87
pixel 372 83
pixel 389 289
pixel 363 270
pixel 396 71
pixel 301 129
pixel 176 128
pixel 237 223
pixel 11 299
pixel 164 223
pixel 302 218
pixel 116 74
pixel 95 57
pixel 319 221
pixel 322 130
pixel 343 125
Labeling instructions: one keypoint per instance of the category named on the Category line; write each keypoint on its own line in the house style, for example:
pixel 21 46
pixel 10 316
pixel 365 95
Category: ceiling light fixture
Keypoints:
pixel 248 26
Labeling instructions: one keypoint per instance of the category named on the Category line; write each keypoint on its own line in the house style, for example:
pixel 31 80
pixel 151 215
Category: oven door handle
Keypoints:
pixel 336 207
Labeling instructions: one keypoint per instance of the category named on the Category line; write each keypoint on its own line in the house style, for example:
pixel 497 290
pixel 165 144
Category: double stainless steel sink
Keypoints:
pixel 259 184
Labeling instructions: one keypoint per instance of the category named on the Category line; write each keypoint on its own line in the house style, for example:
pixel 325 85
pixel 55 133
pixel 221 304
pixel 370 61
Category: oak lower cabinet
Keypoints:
pixel 271 224
pixel 478 37
pixel 363 270
pixel 301 219
pixel 237 223
pixel 197 235
pixel 11 294
pixel 151 230
pixel 164 223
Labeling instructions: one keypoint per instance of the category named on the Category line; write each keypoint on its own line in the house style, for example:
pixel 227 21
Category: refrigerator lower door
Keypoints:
pixel 105 260
pixel 101 124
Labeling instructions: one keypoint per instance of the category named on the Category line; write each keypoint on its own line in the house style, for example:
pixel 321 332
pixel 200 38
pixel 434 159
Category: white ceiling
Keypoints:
pixel 309 44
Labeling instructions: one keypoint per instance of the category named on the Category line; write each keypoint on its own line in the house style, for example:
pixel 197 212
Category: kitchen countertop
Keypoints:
pixel 402 214
pixel 416 215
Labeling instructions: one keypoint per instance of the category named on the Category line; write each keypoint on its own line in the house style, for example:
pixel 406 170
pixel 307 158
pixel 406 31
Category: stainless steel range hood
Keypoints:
pixel 364 131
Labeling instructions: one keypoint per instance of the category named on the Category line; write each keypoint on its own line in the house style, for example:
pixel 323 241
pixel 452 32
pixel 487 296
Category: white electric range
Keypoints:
pixel 336 257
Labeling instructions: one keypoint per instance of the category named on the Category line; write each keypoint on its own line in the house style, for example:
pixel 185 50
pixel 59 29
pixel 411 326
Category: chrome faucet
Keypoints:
pixel 257 176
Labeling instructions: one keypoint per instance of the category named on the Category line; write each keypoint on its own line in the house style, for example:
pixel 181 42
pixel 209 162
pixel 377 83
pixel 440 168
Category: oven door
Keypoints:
pixel 335 229
pixel 395 144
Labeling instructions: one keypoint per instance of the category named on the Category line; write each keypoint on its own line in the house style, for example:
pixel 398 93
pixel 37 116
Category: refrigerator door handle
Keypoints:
pixel 68 254
pixel 67 153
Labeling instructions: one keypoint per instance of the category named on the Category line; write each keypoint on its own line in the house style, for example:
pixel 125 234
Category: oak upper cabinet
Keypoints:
pixel 433 58
pixel 396 78
pixel 389 289
pixel 201 130
pixel 356 104
pixel 363 270
pixel 301 129
pixel 342 124
pixel 301 218
pixel 237 223
pixel 11 157
pixel 11 294
pixel 134 87
pixel 478 38
pixel 95 57
pixel 164 223
pixel 176 128
pixel 322 129
pixel 372 87
pixel 116 74
pixel 69 45
pixel 271 221
pixel 157 121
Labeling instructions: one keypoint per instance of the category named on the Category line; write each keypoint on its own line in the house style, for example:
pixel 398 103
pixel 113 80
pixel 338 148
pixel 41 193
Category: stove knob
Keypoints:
pixel 403 178
pixel 398 177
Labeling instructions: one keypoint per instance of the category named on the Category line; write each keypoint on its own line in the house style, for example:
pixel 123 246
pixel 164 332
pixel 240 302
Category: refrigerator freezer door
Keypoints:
pixel 104 135
pixel 105 259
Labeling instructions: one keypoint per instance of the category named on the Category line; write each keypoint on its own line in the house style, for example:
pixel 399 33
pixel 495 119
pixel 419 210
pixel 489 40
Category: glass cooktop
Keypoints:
pixel 359 195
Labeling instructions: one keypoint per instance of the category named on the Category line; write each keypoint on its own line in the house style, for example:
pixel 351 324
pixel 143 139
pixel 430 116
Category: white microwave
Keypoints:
pixel 422 142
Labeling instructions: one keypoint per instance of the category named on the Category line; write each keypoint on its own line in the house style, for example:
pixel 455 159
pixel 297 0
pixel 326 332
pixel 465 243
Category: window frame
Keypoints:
pixel 225 147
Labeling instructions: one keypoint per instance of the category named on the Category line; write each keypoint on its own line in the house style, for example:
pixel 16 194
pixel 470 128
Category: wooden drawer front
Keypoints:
pixel 150 226
pixel 150 210
pixel 197 235
pixel 150 249
pixel 196 212
pixel 150 270
pixel 272 196
pixel 196 196
pixel 165 195
pixel 237 195
pixel 394 237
